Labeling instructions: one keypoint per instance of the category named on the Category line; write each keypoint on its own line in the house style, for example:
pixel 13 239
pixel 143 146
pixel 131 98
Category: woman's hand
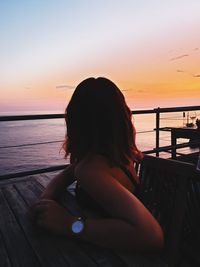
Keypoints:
pixel 48 214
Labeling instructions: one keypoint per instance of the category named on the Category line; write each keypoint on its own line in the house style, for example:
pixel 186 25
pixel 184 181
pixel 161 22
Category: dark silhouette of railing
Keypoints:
pixel 157 111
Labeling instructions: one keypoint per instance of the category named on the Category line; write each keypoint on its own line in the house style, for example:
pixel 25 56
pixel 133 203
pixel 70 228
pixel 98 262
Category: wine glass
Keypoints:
pixel 193 116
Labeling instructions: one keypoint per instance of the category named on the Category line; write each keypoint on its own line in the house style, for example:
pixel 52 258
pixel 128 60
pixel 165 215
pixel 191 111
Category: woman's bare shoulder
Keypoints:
pixel 91 163
pixel 99 166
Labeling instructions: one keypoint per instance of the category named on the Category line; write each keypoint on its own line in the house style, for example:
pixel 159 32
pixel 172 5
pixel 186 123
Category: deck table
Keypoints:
pixel 23 245
pixel 181 132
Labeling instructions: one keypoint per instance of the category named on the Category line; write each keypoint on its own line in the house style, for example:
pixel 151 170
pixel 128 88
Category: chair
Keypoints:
pixel 163 190
pixel 190 243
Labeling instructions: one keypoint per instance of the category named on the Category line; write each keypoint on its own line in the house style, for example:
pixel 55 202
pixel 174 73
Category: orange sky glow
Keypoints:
pixel 152 52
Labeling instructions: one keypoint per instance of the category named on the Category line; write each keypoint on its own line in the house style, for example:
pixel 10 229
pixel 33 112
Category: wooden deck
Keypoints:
pixel 23 245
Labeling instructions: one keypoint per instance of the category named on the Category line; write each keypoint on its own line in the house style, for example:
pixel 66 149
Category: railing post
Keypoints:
pixel 157 131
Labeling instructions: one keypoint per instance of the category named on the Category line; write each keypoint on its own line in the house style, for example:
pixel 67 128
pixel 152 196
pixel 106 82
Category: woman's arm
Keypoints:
pixel 130 226
pixel 58 185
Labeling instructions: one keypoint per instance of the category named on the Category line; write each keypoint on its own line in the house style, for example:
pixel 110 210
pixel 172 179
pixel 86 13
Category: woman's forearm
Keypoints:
pixel 114 233
pixel 120 235
pixel 59 183
pixel 110 233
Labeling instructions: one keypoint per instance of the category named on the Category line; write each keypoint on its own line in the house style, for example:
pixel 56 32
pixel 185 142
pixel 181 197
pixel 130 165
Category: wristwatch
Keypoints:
pixel 78 226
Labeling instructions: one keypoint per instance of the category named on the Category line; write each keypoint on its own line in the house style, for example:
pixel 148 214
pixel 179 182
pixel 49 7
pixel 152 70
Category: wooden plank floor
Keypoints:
pixel 23 245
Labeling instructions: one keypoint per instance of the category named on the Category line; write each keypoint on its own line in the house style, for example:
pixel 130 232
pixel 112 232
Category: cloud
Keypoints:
pixel 180 70
pixel 179 57
pixel 189 73
pixel 196 49
pixel 27 88
pixel 65 87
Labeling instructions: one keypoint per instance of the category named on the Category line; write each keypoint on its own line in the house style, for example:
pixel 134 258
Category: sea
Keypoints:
pixel 35 144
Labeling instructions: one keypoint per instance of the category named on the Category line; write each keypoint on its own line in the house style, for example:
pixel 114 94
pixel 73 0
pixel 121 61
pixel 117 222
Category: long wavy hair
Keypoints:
pixel 99 121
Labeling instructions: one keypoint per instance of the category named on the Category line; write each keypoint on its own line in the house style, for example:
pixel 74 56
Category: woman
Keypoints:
pixel 100 141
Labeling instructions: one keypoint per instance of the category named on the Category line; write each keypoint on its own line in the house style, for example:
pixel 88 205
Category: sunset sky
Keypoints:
pixel 149 48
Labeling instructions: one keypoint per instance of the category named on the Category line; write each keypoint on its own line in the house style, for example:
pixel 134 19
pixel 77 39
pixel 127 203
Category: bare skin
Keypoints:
pixel 130 227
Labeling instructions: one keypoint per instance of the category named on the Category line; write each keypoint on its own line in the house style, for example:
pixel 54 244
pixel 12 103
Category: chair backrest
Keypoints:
pixel 191 225
pixel 163 190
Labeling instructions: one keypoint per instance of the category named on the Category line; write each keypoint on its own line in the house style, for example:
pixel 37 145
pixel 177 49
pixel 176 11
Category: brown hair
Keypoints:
pixel 99 121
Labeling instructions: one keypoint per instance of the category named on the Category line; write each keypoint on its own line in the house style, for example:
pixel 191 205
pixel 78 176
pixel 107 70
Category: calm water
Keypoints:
pixel 23 158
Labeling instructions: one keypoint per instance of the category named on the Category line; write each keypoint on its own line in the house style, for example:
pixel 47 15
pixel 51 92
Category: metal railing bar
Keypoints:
pixel 59 116
pixel 176 109
pixel 167 148
pixel 165 129
pixel 187 144
pixel 149 131
pixel 169 119
pixel 32 172
pixel 33 144
pixel 55 116
pixel 31 117
pixel 173 117
pixel 166 110
pixel 143 111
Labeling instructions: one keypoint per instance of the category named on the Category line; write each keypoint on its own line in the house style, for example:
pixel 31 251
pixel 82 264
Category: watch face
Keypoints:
pixel 77 227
